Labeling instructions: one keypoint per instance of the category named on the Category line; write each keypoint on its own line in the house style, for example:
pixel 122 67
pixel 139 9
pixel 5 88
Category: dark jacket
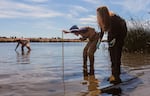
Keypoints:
pixel 118 29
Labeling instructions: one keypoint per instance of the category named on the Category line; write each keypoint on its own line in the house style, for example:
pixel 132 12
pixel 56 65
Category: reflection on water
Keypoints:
pixel 91 82
pixel 23 57
pixel 135 60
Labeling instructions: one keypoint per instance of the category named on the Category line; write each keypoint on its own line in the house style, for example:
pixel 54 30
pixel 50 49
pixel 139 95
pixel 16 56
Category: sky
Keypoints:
pixel 47 18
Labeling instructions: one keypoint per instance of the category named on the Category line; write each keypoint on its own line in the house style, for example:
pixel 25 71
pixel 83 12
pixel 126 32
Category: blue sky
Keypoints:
pixel 46 18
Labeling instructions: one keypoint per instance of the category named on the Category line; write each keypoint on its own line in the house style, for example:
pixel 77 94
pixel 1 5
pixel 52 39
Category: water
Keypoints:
pixel 47 71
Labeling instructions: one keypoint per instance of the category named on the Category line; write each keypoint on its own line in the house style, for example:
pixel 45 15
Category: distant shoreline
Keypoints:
pixel 5 39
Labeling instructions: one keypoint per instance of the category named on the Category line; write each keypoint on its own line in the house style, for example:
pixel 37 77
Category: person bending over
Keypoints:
pixel 24 43
pixel 90 48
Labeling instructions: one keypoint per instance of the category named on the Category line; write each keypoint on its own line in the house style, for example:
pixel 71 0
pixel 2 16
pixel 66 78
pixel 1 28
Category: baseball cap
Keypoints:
pixel 74 28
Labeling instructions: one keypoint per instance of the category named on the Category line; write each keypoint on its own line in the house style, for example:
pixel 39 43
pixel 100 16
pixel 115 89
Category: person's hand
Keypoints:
pixel 82 39
pixel 65 31
pixel 98 43
pixel 112 42
pixel 15 49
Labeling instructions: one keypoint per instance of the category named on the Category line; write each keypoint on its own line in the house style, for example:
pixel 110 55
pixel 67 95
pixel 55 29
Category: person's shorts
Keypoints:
pixel 28 45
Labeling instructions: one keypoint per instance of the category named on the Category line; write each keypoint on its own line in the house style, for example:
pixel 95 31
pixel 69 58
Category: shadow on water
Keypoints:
pixel 23 57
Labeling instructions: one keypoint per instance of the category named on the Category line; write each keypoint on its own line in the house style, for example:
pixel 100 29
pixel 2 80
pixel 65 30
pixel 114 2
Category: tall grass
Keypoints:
pixel 138 37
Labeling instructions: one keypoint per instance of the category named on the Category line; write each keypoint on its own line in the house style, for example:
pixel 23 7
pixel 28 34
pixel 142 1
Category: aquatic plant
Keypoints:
pixel 138 37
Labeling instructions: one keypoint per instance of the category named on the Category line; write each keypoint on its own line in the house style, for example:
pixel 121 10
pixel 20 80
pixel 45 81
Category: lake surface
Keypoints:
pixel 53 70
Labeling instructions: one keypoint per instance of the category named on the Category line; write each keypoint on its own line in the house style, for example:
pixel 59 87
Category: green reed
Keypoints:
pixel 138 37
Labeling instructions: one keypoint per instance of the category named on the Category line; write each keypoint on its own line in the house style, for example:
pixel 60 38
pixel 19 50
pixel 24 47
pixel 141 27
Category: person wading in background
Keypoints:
pixel 24 43
pixel 117 30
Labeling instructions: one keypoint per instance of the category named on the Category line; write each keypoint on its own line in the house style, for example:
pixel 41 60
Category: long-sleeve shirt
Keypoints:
pixel 118 28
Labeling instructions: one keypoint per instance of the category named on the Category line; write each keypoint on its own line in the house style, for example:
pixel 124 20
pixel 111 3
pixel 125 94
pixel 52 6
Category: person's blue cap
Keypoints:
pixel 74 28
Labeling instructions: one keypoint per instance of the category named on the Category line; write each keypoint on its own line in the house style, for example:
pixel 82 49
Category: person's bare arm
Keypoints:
pixel 17 46
pixel 65 31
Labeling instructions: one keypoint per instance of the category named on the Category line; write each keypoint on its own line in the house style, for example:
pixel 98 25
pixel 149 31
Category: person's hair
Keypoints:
pixel 103 18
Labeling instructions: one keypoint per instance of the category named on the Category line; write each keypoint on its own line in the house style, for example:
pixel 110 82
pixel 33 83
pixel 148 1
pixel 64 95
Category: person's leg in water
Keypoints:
pixel 88 52
pixel 115 55
pixel 91 52
pixel 22 48
pixel 28 47
pixel 85 56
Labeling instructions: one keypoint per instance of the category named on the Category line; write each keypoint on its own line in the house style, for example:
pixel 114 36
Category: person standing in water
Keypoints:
pixel 24 43
pixel 116 28
pixel 90 48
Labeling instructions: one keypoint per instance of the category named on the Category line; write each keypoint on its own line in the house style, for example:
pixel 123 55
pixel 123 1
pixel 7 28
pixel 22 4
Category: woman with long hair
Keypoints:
pixel 117 30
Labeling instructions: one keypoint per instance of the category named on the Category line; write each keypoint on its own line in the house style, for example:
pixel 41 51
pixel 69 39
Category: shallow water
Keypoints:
pixel 46 71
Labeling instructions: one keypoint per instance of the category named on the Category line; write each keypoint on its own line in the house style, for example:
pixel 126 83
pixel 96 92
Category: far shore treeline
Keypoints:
pixel 13 39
